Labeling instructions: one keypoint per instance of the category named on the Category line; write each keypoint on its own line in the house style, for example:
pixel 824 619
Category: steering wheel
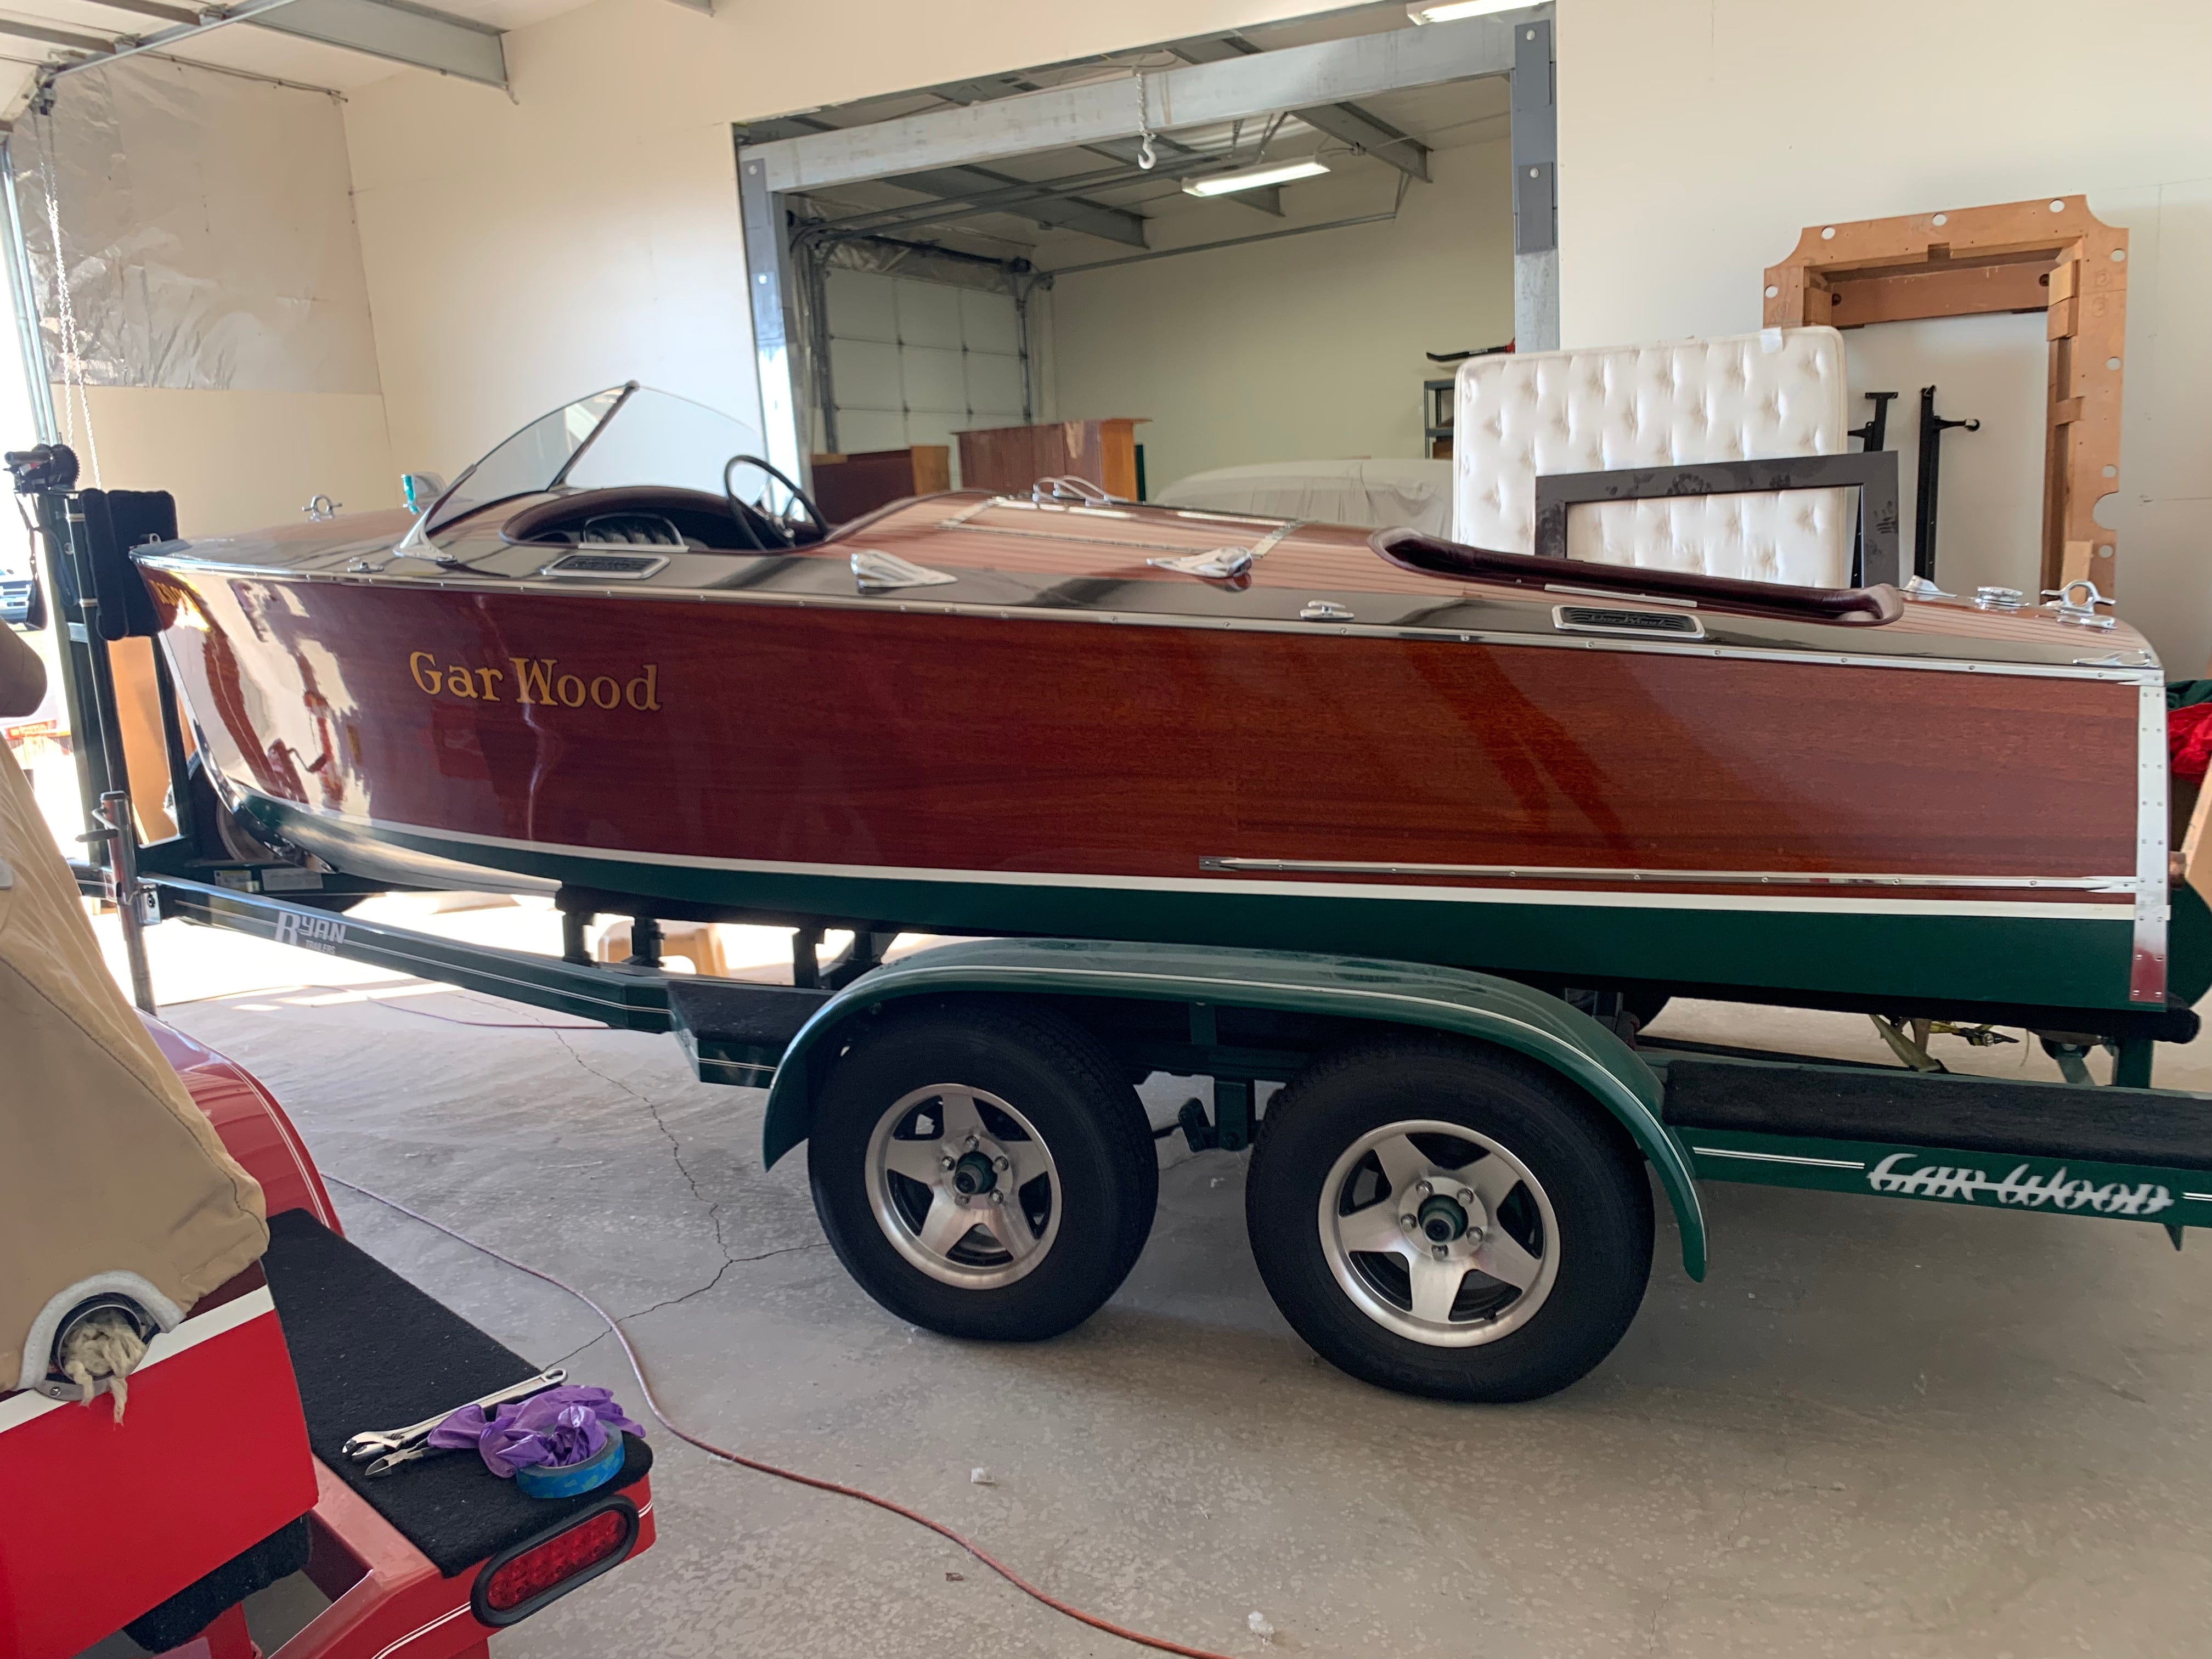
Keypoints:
pixel 780 524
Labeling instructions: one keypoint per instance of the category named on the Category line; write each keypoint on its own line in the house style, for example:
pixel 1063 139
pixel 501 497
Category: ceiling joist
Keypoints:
pixel 963 188
pixel 400 34
pixel 1240 87
pixel 391 29
pixel 1347 123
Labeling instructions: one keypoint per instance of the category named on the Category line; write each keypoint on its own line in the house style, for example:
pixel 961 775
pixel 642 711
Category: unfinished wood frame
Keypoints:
pixel 2051 255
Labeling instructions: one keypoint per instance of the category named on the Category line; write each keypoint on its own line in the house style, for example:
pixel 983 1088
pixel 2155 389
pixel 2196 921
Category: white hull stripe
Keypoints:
pixel 1683 877
pixel 2005 909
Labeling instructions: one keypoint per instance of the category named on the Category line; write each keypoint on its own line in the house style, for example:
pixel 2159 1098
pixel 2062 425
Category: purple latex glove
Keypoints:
pixel 561 1426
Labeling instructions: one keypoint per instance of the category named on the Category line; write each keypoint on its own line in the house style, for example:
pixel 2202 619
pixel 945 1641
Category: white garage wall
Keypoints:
pixel 520 252
pixel 1698 136
pixel 1308 347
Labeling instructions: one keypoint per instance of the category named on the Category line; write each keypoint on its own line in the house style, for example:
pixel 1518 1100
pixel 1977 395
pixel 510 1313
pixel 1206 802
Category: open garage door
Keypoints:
pixel 1239 251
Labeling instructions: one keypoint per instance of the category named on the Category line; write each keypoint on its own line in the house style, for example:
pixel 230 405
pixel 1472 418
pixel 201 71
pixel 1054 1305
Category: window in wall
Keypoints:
pixel 914 363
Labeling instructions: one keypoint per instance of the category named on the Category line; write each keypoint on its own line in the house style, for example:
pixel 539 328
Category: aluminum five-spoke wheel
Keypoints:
pixel 964 1186
pixel 1438 1233
pixel 1448 1217
pixel 1007 1205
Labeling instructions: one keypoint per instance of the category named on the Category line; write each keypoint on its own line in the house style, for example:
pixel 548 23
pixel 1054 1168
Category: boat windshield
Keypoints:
pixel 627 434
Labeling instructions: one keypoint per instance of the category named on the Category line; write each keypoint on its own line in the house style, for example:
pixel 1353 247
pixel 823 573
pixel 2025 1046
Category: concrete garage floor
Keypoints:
pixel 1878 1428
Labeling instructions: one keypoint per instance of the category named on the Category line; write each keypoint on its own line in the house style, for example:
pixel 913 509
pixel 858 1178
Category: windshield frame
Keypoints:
pixel 431 521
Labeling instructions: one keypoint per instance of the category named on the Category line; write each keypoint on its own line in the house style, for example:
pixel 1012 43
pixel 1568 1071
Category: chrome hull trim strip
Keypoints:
pixel 1721 877
pixel 2147 971
pixel 1995 909
pixel 1548 641
pixel 1780 1157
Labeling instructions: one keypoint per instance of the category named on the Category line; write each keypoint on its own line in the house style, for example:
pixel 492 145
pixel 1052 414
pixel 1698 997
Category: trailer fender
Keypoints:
pixel 1449 999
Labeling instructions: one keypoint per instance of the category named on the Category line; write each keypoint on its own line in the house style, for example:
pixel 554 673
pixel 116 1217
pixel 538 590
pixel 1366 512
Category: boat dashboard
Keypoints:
pixel 657 516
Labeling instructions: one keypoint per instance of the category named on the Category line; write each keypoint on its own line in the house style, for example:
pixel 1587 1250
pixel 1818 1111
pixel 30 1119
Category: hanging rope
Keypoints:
pixel 74 400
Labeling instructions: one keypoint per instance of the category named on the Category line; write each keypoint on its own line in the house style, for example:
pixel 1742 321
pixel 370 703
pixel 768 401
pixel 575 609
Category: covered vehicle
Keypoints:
pixel 182 1351
pixel 117 1190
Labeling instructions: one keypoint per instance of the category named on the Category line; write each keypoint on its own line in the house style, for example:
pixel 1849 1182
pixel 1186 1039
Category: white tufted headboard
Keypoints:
pixel 1777 392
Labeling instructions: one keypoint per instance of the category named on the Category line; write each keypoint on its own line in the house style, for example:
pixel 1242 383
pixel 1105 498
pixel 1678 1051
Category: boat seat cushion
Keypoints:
pixel 1780 392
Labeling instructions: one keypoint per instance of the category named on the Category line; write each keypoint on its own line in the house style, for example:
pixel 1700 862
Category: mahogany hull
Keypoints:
pixel 1798 824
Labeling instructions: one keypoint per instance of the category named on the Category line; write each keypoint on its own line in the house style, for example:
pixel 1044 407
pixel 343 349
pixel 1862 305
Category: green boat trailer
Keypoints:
pixel 1508 1128
pixel 1244 1018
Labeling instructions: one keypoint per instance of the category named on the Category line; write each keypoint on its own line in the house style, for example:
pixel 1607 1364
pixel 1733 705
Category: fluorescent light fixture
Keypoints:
pixel 1222 184
pixel 1449 11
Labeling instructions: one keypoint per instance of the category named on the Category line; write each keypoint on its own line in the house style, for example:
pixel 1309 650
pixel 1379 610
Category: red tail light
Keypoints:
pixel 517 1583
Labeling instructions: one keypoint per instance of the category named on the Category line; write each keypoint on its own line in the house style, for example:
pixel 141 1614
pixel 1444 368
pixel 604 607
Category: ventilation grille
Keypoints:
pixel 619 567
pixel 1609 619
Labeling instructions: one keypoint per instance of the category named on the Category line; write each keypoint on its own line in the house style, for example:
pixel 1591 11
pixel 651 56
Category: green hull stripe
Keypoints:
pixel 2047 962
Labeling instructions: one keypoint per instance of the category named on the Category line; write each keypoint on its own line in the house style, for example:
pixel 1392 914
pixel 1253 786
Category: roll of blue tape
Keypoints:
pixel 566 1480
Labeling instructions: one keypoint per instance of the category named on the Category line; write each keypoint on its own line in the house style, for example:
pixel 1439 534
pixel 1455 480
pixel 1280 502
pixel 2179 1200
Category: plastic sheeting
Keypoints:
pixel 1382 494
pixel 207 233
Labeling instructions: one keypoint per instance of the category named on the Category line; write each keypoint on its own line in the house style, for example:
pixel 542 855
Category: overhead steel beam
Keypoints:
pixel 1345 122
pixel 991 87
pixel 54 37
pixel 957 184
pixel 1268 199
pixel 1025 197
pixel 168 14
pixel 399 33
pixel 1371 135
pixel 962 185
pixel 1158 100
pixel 389 29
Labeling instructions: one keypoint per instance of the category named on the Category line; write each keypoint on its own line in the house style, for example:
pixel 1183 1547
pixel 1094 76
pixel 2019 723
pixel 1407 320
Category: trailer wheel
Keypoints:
pixel 983 1172
pixel 1447 1219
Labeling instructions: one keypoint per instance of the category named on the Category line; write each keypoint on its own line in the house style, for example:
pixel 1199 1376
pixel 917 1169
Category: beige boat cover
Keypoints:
pixel 111 1173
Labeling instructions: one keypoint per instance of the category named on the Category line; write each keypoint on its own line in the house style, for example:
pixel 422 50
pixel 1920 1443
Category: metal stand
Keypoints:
pixel 1932 429
pixel 135 905
pixel 644 943
pixel 573 923
pixel 1875 434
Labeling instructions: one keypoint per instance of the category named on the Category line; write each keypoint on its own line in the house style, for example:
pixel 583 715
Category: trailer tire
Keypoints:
pixel 1514 1168
pixel 1061 1152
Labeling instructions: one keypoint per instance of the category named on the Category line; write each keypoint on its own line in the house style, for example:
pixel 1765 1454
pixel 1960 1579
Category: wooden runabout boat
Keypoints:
pixel 1053 715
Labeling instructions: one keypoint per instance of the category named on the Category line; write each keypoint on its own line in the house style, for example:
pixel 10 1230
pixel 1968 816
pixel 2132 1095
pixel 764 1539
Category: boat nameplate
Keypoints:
pixel 606 565
pixel 1618 619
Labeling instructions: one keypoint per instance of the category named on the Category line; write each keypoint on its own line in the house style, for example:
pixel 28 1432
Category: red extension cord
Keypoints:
pixel 1159 1643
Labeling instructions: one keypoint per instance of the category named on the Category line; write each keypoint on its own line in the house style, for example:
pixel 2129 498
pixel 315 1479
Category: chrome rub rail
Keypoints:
pixel 2120 885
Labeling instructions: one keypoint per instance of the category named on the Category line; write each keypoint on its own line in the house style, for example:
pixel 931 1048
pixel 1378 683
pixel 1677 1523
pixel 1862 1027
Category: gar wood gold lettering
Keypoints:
pixel 537 680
